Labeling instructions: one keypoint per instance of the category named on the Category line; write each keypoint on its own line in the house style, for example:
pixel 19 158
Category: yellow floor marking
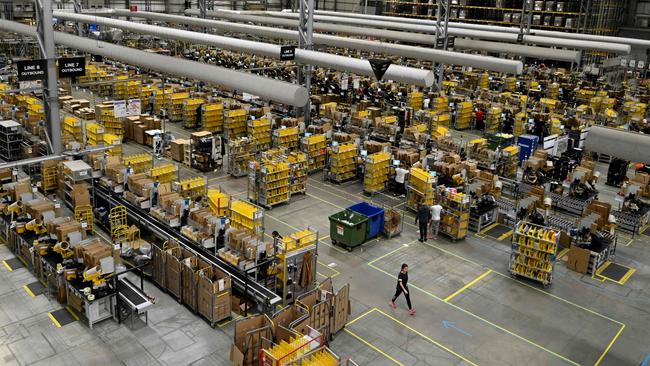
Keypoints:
pixel 426 337
pixel 505 235
pixel 391 252
pixel 484 320
pixel 23 262
pixel 333 194
pixel 7 265
pixel 221 325
pixel 360 317
pixel 373 347
pixel 72 312
pixel 29 292
pixel 562 253
pixel 218 178
pixel 325 237
pixel 468 285
pixel 328 202
pixel 336 272
pixel 600 359
pixel 484 231
pixel 53 319
pixel 629 242
pixel 504 276
pixel 627 276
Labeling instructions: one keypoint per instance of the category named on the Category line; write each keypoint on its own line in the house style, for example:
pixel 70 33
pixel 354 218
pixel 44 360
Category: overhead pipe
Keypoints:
pixel 268 89
pixel 493 28
pixel 398 73
pixel 622 144
pixel 328 22
pixel 448 57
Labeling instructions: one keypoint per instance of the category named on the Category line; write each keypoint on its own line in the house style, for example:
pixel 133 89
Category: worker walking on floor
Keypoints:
pixel 402 286
pixel 423 217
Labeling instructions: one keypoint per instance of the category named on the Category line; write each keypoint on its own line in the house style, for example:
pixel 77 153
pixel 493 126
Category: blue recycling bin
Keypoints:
pixel 375 218
pixel 527 146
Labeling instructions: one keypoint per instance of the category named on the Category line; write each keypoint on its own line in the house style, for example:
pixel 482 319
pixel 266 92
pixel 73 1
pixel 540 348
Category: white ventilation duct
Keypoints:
pixel 630 146
pixel 327 23
pixel 493 28
pixel 408 75
pixel 265 88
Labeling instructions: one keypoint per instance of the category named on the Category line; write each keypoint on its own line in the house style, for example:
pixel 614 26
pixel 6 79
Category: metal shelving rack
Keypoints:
pixel 10 139
pixel 534 251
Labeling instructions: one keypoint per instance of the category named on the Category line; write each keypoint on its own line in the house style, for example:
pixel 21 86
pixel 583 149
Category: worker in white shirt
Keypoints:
pixel 400 179
pixel 436 211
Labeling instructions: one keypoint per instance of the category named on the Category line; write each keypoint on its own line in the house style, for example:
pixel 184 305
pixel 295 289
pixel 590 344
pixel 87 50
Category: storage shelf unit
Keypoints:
pixel 377 169
pixel 176 102
pixel 534 251
pixel 11 137
pixel 245 215
pixel 75 172
pixel 299 170
pixel 72 126
pixel 212 118
pixel 293 251
pixel 234 123
pixel 94 134
pixel 316 147
pixel 343 162
pixel 259 131
pixel 286 137
pixel 454 220
pixel 240 152
pixel 190 112
pixel 105 115
pixel 421 188
pixel 192 187
pixel 140 163
pixel 165 173
pixel 110 139
pixel 219 202
pixel 416 100
pixel 268 182
pixel 202 144
pixel 463 116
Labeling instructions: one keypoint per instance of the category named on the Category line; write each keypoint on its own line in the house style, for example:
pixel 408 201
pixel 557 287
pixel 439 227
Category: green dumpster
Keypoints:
pixel 348 228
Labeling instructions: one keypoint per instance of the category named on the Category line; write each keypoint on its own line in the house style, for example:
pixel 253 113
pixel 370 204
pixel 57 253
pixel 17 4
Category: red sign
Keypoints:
pixel 133 8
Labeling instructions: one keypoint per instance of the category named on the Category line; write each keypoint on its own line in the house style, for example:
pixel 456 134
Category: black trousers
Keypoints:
pixel 399 291
pixel 423 230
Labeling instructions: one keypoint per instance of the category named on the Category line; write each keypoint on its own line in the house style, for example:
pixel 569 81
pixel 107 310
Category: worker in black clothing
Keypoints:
pixel 423 217
pixel 402 286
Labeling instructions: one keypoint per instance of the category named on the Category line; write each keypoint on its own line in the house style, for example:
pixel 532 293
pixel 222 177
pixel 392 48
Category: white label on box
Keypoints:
pixel 84 225
pixel 57 205
pixel 116 246
pixel 82 173
pixel 34 189
pixel 222 284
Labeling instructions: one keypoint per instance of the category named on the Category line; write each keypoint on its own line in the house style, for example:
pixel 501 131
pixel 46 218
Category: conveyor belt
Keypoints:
pixel 249 287
pixel 133 295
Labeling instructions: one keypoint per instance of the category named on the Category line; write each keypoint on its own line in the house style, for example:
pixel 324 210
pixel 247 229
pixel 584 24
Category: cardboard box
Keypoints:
pixel 177 149
pixel 578 259
pixel 81 194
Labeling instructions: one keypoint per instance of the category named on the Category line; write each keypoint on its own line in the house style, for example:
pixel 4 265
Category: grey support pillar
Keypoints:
pixel 50 91
pixel 442 38
pixel 305 33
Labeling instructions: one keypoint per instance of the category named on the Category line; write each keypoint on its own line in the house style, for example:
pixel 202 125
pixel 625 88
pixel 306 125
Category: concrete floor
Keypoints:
pixel 470 311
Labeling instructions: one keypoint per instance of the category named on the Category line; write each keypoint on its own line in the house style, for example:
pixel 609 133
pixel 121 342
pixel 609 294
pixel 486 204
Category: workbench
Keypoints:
pixel 102 307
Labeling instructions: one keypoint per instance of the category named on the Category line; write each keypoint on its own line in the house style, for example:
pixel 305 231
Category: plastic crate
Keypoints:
pixel 375 217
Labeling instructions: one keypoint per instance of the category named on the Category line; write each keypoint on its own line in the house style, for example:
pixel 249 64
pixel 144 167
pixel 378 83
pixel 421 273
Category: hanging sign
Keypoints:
pixel 379 67
pixel 344 82
pixel 133 107
pixel 72 67
pixel 119 108
pixel 632 63
pixel 287 53
pixel 30 70
pixel 641 64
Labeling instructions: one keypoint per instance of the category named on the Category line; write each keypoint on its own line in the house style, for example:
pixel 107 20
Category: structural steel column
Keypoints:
pixel 442 38
pixel 50 91
pixel 306 32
